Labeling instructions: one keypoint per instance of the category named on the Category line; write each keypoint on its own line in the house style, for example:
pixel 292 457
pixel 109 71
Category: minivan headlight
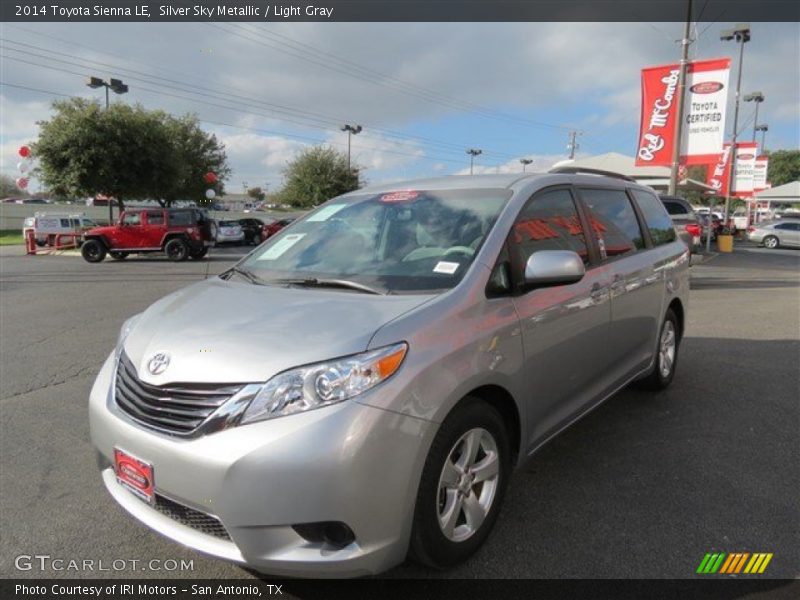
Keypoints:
pixel 321 384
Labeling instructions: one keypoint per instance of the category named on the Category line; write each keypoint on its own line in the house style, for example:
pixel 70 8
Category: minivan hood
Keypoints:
pixel 220 331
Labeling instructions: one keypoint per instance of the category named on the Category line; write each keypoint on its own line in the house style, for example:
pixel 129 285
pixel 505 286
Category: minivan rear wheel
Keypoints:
pixel 666 359
pixel 462 485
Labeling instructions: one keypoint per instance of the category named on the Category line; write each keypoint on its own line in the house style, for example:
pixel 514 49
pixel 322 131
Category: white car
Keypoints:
pixel 229 232
pixel 46 226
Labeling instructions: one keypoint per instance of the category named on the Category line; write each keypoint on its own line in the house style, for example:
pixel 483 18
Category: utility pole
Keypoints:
pixel 741 34
pixel 351 131
pixel 117 87
pixel 473 152
pixel 676 142
pixel 573 145
pixel 525 162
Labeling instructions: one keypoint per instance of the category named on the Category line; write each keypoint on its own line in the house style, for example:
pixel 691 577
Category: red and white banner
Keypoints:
pixel 744 171
pixel 760 173
pixel 703 113
pixel 718 173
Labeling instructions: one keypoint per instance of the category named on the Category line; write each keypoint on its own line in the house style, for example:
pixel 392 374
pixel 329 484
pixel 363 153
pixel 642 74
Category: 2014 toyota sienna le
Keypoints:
pixel 359 388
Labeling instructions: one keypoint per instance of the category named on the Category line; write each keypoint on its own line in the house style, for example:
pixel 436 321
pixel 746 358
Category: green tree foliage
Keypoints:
pixel 256 193
pixel 8 187
pixel 126 152
pixel 784 166
pixel 318 174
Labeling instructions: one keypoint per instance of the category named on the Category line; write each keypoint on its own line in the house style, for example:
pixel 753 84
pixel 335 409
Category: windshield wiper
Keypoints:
pixel 333 283
pixel 251 277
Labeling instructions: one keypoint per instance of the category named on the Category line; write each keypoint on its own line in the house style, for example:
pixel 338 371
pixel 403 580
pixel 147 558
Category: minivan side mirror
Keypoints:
pixel 553 267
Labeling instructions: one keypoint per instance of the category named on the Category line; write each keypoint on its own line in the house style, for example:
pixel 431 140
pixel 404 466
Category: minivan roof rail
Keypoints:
pixel 584 170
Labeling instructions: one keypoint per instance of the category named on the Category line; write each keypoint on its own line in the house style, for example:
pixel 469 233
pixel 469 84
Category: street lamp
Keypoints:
pixel 741 35
pixel 763 128
pixel 525 162
pixel 473 152
pixel 351 131
pixel 758 98
pixel 116 86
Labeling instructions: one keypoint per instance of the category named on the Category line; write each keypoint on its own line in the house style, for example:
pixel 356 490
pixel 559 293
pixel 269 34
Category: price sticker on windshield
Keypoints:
pixel 281 246
pixel 326 212
pixel 399 196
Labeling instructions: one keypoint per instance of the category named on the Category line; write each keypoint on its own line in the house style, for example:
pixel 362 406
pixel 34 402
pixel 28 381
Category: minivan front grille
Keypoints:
pixel 177 408
pixel 200 521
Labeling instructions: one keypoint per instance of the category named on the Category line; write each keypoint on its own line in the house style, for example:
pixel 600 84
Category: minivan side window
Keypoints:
pixel 548 222
pixel 613 221
pixel 662 230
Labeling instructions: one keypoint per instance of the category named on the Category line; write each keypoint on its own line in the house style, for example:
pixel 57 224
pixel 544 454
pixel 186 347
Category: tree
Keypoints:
pixel 8 187
pixel 784 166
pixel 256 193
pixel 196 153
pixel 318 174
pixel 125 152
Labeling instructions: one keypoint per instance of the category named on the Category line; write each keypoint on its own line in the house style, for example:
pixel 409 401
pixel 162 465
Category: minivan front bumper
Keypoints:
pixel 347 463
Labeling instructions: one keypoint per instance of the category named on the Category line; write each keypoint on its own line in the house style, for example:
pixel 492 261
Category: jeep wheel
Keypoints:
pixel 197 255
pixel 176 250
pixel 119 255
pixel 93 251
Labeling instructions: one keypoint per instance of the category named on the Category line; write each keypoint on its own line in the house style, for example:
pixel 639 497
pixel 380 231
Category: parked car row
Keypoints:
pixel 179 233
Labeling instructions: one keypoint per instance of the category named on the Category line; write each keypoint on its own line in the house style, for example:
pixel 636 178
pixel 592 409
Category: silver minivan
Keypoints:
pixel 383 364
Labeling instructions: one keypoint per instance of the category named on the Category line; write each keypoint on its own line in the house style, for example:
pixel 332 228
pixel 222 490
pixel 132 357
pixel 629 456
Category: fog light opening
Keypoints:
pixel 333 533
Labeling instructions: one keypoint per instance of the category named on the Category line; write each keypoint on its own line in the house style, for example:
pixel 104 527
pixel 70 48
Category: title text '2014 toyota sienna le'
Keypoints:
pixel 359 388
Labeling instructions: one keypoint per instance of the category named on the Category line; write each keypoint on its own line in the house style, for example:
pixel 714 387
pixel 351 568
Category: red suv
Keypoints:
pixel 179 233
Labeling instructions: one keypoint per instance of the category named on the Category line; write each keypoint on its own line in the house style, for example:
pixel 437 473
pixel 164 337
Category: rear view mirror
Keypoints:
pixel 553 267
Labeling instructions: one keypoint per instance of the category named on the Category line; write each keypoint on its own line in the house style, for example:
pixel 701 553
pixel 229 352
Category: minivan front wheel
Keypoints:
pixel 666 358
pixel 462 485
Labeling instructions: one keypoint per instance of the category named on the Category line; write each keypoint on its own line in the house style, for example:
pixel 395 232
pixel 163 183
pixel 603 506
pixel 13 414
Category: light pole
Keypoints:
pixel 473 152
pixel 351 131
pixel 525 162
pixel 676 144
pixel 740 34
pixel 117 87
pixel 763 128
pixel 758 98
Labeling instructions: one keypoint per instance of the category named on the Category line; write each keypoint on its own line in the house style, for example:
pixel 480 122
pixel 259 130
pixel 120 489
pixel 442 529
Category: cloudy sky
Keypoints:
pixel 423 92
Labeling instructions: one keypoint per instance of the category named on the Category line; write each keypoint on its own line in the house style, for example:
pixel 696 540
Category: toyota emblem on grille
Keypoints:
pixel 158 364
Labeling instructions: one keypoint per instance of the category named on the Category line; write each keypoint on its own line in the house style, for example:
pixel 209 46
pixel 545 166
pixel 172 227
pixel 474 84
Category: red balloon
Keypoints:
pixel 22 183
pixel 24 151
pixel 210 177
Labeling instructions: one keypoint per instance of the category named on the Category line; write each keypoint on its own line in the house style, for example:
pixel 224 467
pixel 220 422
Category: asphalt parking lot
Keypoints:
pixel 642 487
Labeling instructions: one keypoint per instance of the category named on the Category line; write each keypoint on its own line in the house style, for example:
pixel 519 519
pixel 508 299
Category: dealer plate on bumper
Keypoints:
pixel 134 474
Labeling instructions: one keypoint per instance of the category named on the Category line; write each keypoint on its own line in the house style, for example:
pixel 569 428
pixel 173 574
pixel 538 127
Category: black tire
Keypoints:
pixel 119 255
pixel 93 251
pixel 177 250
pixel 657 379
pixel 771 242
pixel 429 544
pixel 197 255
pixel 41 243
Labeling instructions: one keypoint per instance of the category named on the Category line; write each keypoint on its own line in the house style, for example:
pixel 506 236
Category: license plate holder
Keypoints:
pixel 135 475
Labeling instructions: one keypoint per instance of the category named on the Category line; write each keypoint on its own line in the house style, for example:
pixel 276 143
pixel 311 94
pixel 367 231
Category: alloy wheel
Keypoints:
pixel 468 484
pixel 666 350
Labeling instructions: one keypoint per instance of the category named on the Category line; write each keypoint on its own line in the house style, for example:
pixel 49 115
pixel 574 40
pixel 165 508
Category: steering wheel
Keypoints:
pixel 465 250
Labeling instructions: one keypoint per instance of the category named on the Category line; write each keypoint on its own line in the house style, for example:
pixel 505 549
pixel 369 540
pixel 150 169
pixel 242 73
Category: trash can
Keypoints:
pixel 725 243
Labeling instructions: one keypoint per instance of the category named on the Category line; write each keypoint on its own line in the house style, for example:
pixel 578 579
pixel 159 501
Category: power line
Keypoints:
pixel 317 119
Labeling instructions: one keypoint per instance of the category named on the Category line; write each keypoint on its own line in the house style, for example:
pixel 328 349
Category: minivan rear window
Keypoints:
pixel 614 222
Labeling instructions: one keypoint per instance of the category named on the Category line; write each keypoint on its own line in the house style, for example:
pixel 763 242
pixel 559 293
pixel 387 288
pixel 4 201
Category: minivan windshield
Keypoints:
pixel 395 242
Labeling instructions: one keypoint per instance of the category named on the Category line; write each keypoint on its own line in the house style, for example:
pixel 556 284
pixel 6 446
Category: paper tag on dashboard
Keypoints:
pixel 281 246
pixel 445 267
pixel 325 213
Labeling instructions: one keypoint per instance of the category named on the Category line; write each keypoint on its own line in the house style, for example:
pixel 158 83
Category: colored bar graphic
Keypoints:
pixel 734 563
